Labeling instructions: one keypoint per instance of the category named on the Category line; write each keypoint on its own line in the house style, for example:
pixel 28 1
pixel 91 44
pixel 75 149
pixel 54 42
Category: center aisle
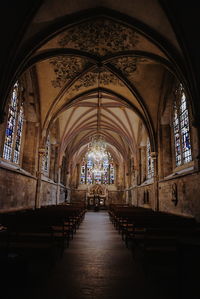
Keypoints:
pixel 96 265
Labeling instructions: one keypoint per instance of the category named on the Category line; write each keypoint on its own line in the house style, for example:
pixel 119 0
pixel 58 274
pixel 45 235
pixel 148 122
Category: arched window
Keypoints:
pixel 45 162
pixel 150 166
pixel 83 172
pixel 90 175
pixel 112 173
pixel 14 128
pixel 181 128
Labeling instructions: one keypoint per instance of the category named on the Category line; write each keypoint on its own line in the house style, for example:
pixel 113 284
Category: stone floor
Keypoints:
pixel 97 265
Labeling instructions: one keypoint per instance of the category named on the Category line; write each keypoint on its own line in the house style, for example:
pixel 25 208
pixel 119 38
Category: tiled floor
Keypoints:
pixel 97 265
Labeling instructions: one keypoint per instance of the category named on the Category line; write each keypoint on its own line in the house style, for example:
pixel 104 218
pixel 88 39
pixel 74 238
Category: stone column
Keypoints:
pixel 109 174
pixel 2 136
pixel 67 174
pixel 52 162
pixel 30 144
pixel 63 172
pixel 165 149
pixel 85 173
pixel 92 178
pixel 58 186
pixel 154 156
pixel 116 174
pixel 124 175
pixel 71 175
pixel 129 173
pixel 143 161
pixel 41 153
pixel 78 170
pixel 195 132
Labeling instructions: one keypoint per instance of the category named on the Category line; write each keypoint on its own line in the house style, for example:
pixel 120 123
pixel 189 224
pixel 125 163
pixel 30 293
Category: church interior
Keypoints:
pixel 99 149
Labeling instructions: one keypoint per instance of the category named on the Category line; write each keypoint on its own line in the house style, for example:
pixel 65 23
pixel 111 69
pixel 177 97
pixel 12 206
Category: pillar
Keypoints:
pixel 78 170
pixel 143 163
pixel 41 153
pixel 30 144
pixel 165 161
pixel 154 156
pixel 53 156
pixel 58 186
pixel 116 174
pixel 2 135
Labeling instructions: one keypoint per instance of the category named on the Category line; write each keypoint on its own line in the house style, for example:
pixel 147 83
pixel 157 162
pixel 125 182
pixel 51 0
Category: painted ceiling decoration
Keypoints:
pixel 101 75
pixel 100 37
pixel 66 68
pixel 92 79
pixel 128 65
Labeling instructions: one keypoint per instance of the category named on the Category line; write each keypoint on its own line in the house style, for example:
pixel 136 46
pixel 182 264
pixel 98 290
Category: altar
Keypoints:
pixel 96 196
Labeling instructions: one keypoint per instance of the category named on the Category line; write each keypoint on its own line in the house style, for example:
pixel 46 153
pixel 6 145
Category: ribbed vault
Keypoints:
pixel 103 76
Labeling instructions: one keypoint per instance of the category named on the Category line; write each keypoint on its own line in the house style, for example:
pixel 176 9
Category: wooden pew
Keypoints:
pixel 49 228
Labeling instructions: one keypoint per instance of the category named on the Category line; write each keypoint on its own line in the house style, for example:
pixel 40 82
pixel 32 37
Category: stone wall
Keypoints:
pixel 48 193
pixel 181 195
pixel 134 197
pixel 145 196
pixel 177 195
pixel 116 197
pixel 78 195
pixel 17 190
pixel 62 197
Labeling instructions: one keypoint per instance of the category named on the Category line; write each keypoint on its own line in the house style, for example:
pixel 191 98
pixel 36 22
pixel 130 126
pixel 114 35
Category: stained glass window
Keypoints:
pixel 181 128
pixel 89 175
pixel 45 164
pixel 14 128
pixel 83 172
pixel 18 135
pixel 150 166
pixel 112 173
pixel 105 173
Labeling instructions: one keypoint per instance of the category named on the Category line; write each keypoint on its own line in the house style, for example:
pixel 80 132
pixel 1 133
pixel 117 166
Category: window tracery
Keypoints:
pixel 150 166
pixel 45 162
pixel 90 175
pixel 14 127
pixel 181 128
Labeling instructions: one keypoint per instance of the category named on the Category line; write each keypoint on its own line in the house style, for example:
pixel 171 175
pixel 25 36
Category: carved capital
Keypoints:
pixel 41 151
pixel 154 155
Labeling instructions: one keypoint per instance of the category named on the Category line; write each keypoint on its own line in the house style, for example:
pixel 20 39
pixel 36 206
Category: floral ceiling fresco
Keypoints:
pixel 100 37
pixel 66 68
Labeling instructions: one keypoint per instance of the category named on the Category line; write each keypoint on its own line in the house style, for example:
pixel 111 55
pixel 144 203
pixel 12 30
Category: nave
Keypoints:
pixel 99 106
pixel 96 265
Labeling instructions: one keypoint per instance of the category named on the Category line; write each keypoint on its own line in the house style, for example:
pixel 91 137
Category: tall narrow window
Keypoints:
pixel 90 175
pixel 112 173
pixel 181 127
pixel 83 172
pixel 150 166
pixel 13 134
pixel 45 164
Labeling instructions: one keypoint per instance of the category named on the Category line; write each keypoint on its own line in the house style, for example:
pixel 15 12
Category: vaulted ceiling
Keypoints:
pixel 101 71
pixel 100 76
